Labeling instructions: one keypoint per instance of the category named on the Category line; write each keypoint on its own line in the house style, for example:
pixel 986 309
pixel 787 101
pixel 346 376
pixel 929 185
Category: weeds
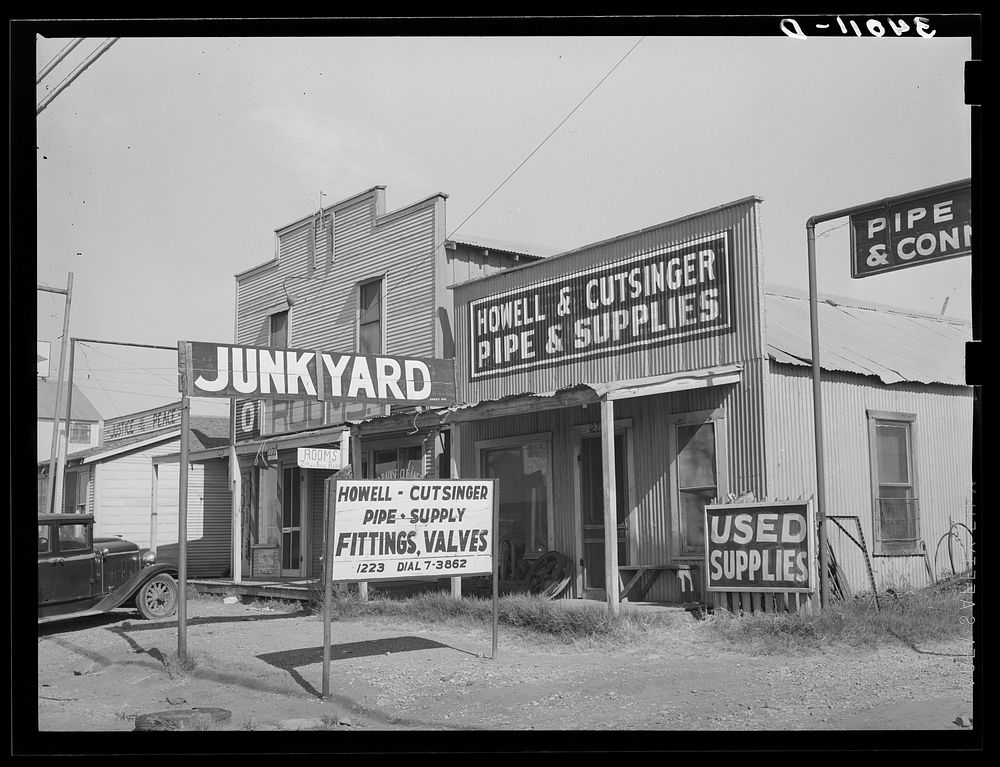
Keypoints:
pixel 909 617
pixel 177 667
pixel 124 715
pixel 526 613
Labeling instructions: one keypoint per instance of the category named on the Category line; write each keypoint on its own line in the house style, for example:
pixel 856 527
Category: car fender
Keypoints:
pixel 131 587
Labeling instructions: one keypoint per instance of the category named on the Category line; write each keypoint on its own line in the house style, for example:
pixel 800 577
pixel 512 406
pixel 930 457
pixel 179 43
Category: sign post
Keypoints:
pixel 393 529
pixel 886 235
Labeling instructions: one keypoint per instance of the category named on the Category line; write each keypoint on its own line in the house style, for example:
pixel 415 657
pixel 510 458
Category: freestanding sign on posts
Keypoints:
pixel 392 529
pixel 760 547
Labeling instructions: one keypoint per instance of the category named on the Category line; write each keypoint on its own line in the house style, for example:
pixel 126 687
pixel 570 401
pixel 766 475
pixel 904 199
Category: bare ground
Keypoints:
pixel 264 665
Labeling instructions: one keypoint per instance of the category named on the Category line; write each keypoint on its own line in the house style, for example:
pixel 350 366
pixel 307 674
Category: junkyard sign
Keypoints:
pixel 918 228
pixel 760 547
pixel 222 370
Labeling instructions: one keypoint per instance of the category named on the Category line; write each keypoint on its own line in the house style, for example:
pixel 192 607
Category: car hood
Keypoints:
pixel 115 545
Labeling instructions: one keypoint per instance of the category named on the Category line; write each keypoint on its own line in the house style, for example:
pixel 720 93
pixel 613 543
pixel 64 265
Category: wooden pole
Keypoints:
pixel 496 563
pixel 50 502
pixel 235 486
pixel 330 493
pixel 455 471
pixel 356 473
pixel 182 531
pixel 610 504
pixel 153 504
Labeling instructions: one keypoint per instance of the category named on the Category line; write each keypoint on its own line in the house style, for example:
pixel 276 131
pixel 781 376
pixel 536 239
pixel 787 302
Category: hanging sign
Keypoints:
pixel 913 229
pixel 146 422
pixel 401 528
pixel 760 547
pixel 223 370
pixel 317 458
pixel 656 297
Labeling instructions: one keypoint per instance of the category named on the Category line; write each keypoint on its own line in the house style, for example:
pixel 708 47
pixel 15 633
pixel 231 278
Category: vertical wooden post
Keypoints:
pixel 455 458
pixel 182 502
pixel 330 490
pixel 52 503
pixel 610 504
pixel 235 487
pixel 356 474
pixel 154 505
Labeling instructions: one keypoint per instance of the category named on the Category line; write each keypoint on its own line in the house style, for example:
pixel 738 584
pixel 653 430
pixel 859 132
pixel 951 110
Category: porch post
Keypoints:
pixel 610 504
pixel 455 459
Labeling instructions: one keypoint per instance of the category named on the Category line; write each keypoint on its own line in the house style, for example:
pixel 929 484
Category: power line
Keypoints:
pixel 57 58
pixel 94 56
pixel 87 361
pixel 546 138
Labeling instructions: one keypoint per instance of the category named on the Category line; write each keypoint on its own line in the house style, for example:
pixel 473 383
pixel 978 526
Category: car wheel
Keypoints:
pixel 157 598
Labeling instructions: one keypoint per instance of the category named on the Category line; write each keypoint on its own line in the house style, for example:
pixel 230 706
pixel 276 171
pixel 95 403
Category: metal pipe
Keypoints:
pixel 75 74
pixel 824 581
pixel 59 57
pixel 50 501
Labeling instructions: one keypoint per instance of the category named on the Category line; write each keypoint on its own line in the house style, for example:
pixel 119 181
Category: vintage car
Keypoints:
pixel 79 575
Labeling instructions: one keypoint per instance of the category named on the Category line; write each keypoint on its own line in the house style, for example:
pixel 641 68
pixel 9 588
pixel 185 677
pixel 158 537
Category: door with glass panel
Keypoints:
pixel 591 483
pixel 291 522
pixel 697 479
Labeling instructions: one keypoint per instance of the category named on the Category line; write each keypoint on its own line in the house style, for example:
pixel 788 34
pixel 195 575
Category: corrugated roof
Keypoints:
pixel 507 246
pixel 891 343
pixel 206 432
pixel 83 410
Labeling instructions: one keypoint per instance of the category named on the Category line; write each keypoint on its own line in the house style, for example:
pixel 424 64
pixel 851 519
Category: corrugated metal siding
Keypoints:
pixel 893 344
pixel 943 450
pixel 208 518
pixel 740 219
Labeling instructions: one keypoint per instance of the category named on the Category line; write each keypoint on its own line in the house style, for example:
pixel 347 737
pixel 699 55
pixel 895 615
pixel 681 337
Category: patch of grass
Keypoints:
pixel 523 612
pixel 177 667
pixel 910 618
pixel 124 714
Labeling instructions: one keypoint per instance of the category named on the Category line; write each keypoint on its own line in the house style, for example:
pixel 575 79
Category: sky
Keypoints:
pixel 166 166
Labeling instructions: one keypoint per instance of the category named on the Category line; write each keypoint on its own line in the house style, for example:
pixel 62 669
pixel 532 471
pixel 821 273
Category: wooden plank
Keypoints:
pixel 758 602
pixel 608 464
pixel 627 588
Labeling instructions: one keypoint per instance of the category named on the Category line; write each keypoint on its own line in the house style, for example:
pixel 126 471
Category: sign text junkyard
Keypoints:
pixel 760 547
pixel 224 370
pixel 912 229
pixel 389 529
pixel 651 298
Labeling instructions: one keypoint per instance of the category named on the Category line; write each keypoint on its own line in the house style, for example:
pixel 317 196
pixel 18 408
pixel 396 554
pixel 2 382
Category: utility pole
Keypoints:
pixel 50 500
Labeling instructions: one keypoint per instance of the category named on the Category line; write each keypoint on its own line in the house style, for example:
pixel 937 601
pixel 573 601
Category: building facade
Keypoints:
pixel 617 389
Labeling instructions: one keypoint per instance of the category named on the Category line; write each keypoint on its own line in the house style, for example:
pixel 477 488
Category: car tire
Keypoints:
pixel 157 598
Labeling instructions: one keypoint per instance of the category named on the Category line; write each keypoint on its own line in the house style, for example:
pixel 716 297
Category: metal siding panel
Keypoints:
pixel 743 344
pixel 943 448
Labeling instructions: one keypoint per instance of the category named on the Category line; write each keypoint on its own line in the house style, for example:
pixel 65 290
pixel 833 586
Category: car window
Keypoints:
pixel 44 546
pixel 73 537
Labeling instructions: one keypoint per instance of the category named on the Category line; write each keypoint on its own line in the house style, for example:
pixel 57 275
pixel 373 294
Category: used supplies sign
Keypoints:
pixel 398 528
pixel 760 547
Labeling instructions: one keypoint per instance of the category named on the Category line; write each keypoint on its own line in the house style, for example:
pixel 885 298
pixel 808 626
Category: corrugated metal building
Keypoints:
pixel 666 338
pixel 131 496
pixel 351 277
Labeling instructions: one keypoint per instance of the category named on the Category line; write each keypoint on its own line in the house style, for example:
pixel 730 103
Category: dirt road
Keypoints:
pixel 265 666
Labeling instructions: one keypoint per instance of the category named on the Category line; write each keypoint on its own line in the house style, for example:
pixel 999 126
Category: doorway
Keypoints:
pixel 291 522
pixel 590 486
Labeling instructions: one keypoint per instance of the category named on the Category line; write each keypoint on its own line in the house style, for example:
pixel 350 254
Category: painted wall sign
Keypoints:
pixel 400 528
pixel 146 422
pixel 760 547
pixel 247 419
pixel 652 298
pixel 222 370
pixel 318 458
pixel 913 229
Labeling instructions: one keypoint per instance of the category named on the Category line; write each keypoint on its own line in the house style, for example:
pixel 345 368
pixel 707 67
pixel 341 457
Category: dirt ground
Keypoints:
pixel 264 665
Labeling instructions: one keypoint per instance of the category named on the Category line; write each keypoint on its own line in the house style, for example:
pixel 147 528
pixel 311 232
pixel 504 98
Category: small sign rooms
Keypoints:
pixel 651 298
pixel 913 229
pixel 760 547
pixel 222 370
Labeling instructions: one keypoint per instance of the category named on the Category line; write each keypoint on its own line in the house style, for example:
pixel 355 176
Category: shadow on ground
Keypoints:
pixel 291 660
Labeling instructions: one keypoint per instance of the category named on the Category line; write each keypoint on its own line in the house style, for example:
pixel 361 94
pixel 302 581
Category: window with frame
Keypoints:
pixel 895 500
pixel 79 432
pixel 279 330
pixel 75 492
pixel 398 461
pixel 370 317
pixel 698 474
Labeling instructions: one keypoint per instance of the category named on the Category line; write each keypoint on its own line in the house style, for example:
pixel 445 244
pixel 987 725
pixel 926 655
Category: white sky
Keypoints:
pixel 165 168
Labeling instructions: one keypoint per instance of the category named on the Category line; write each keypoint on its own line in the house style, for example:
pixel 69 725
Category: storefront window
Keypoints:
pixel 401 461
pixel 525 474
pixel 698 474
